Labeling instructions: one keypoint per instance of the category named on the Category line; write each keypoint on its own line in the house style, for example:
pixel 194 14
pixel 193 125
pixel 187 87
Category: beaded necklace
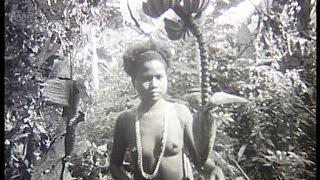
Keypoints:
pixel 139 147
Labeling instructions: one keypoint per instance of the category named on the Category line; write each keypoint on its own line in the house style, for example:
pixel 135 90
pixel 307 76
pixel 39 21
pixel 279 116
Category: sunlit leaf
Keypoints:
pixel 241 151
pixel 224 98
pixel 269 141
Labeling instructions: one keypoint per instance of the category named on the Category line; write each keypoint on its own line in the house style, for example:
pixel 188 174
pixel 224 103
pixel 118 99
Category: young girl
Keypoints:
pixel 157 133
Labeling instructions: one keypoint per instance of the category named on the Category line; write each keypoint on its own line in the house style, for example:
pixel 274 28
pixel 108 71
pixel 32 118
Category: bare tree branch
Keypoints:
pixel 135 20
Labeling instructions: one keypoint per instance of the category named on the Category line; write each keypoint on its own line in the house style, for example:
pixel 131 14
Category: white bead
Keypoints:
pixel 139 147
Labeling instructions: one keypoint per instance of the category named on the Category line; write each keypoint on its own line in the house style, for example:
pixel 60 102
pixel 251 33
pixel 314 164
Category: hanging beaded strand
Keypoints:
pixel 139 147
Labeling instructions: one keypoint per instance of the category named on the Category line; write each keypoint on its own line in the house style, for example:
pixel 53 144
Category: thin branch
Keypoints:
pixel 307 109
pixel 131 15
pixel 245 48
pixel 135 20
pixel 52 142
pixel 15 176
pixel 239 167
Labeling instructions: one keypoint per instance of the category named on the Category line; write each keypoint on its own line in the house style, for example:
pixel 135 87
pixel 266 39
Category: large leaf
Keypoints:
pixel 57 91
pixel 175 30
pixel 224 98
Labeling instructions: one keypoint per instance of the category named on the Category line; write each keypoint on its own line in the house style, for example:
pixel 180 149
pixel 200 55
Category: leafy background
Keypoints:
pixel 267 57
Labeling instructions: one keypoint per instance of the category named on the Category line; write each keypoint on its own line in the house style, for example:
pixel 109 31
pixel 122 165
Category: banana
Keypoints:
pixel 157 6
pixel 166 4
pixel 149 9
pixel 200 3
pixel 146 9
pixel 187 35
pixel 174 3
pixel 203 5
pixel 195 5
pixel 169 3
pixel 187 6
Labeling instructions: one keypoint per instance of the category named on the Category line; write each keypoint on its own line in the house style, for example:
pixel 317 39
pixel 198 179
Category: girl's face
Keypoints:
pixel 151 81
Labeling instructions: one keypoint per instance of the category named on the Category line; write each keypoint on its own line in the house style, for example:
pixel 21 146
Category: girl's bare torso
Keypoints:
pixel 151 131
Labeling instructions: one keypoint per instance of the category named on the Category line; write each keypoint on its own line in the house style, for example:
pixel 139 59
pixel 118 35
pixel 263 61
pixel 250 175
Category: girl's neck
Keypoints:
pixel 148 107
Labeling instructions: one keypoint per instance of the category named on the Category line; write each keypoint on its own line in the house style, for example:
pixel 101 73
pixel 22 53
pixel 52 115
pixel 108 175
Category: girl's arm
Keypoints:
pixel 205 166
pixel 118 151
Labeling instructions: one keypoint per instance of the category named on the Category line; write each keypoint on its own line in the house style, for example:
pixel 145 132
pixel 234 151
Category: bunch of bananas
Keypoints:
pixel 155 8
pixel 195 6
pixel 175 29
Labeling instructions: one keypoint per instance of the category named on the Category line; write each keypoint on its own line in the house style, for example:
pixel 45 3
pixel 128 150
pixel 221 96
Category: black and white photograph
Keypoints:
pixel 160 90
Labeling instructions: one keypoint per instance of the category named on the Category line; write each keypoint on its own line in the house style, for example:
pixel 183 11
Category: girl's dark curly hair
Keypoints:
pixel 138 53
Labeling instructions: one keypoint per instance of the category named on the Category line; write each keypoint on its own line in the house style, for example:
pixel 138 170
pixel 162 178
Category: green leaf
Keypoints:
pixel 224 98
pixel 269 141
pixel 270 152
pixel 308 162
pixel 241 151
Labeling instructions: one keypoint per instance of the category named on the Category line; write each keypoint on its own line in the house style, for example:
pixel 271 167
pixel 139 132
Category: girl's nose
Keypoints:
pixel 154 82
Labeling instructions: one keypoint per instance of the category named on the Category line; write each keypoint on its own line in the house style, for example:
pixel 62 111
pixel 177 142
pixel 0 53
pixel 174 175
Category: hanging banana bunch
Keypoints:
pixel 195 6
pixel 155 8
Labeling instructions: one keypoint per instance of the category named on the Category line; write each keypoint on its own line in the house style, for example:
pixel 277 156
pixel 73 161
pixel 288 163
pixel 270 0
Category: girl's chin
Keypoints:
pixel 155 99
pixel 152 99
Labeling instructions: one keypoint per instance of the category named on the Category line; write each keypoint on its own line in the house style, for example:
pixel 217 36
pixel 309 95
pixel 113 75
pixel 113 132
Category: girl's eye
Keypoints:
pixel 147 78
pixel 158 76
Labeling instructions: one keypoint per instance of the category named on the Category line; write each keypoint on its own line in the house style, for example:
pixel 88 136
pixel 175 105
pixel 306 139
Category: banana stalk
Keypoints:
pixel 195 30
pixel 206 124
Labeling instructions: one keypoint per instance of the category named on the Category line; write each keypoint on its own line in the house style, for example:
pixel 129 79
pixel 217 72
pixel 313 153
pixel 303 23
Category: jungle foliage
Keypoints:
pixel 269 59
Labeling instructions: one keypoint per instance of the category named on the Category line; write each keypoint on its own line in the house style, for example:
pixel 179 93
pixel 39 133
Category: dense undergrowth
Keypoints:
pixel 269 60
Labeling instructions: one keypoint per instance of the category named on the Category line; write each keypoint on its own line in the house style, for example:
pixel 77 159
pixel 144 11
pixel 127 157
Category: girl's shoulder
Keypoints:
pixel 128 113
pixel 181 108
pixel 182 112
pixel 179 105
pixel 126 116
